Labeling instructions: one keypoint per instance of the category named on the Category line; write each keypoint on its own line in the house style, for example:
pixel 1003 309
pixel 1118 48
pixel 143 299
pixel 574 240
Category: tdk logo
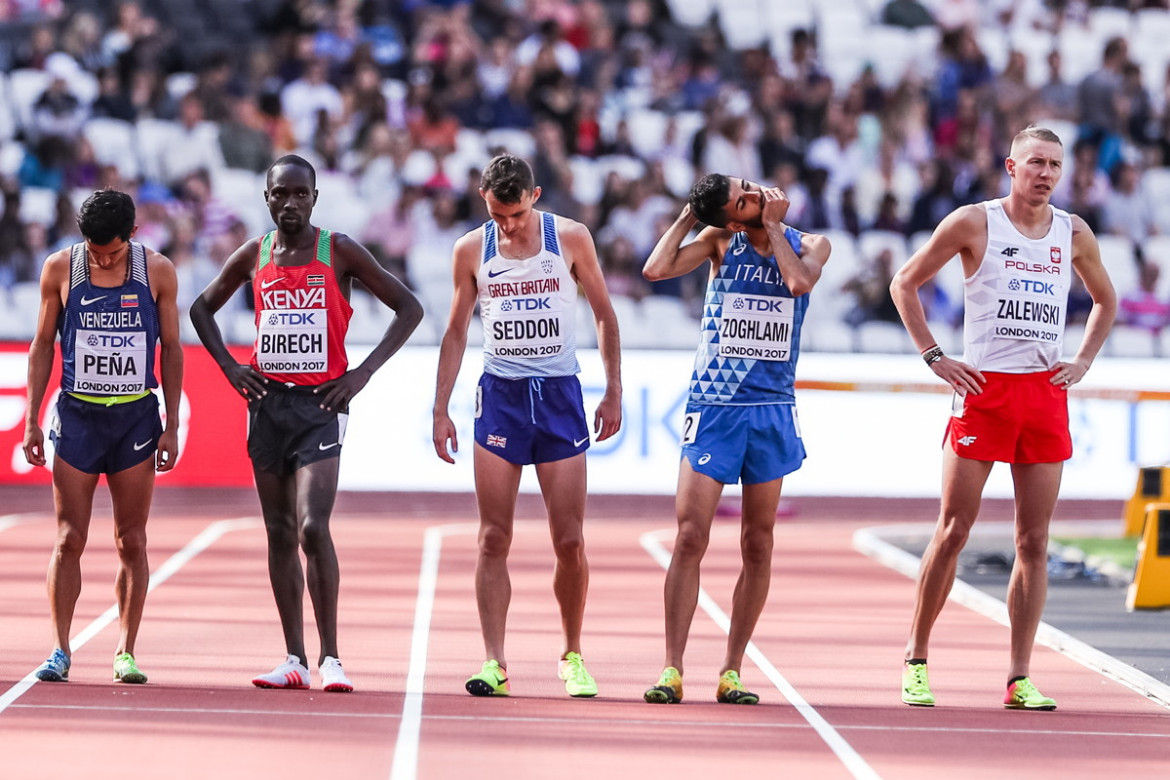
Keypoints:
pixel 1032 286
pixel 759 304
pixel 1010 251
pixel 110 340
pixel 526 304
pixel 292 318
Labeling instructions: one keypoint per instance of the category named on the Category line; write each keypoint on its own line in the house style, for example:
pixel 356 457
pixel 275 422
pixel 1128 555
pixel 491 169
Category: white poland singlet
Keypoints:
pixel 1017 302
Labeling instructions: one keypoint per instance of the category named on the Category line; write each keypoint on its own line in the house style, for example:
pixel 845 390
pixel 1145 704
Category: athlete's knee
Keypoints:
pixel 692 540
pixel 315 538
pixel 951 536
pixel 756 548
pixel 131 544
pixel 70 541
pixel 569 547
pixel 494 541
pixel 1032 545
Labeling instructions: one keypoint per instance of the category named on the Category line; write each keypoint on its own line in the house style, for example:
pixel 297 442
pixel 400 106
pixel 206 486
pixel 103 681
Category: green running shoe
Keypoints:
pixel 731 690
pixel 125 670
pixel 916 686
pixel 491 681
pixel 578 681
pixel 1022 695
pixel 668 689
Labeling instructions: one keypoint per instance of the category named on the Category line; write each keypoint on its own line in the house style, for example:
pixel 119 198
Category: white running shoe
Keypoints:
pixel 290 674
pixel 333 677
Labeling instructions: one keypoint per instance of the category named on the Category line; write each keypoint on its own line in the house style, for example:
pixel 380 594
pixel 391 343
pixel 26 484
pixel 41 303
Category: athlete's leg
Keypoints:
pixel 496 483
pixel 1037 486
pixel 963 481
pixel 695 503
pixel 278 506
pixel 131 491
pixel 751 590
pixel 316 493
pixel 562 483
pixel 73 496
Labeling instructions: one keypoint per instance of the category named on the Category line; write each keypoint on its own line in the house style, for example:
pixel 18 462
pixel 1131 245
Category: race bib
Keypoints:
pixel 110 363
pixel 529 327
pixel 758 327
pixel 293 341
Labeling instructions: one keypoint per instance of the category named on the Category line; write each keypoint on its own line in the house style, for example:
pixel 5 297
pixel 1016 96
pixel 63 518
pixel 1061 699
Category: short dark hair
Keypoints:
pixel 293 159
pixel 507 177
pixel 708 198
pixel 106 215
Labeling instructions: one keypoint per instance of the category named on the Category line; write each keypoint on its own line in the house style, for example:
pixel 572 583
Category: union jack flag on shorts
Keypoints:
pixel 497 441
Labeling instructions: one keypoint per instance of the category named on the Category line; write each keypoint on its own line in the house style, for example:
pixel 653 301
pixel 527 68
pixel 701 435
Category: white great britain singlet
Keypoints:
pixel 1017 302
pixel 528 308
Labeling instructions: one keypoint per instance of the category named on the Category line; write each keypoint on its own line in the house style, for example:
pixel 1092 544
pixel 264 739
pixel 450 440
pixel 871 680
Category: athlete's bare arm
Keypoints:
pixel 54 287
pixel 582 255
pixel 237 271
pixel 465 264
pixel 670 259
pixel 1087 264
pixel 354 261
pixel 963 232
pixel 164 285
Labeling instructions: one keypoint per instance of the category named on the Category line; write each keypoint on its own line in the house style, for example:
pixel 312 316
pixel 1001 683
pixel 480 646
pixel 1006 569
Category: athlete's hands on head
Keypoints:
pixel 608 417
pixel 247 381
pixel 168 451
pixel 960 376
pixel 444 431
pixel 339 392
pixel 776 205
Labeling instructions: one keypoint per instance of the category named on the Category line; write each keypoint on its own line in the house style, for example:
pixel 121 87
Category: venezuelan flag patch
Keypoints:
pixel 130 301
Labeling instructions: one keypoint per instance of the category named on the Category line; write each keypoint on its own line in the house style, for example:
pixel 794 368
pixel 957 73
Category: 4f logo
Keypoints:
pixel 967 441
pixel 1011 251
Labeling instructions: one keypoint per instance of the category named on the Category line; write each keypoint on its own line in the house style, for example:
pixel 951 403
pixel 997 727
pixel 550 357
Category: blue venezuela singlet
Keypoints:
pixel 750 330
pixel 108 334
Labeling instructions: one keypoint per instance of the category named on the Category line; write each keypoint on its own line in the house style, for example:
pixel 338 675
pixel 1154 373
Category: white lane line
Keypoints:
pixel 870 541
pixel 405 766
pixel 9 521
pixel 201 542
pixel 857 766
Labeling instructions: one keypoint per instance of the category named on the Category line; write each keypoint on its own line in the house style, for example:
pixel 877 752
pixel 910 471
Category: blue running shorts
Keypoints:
pixel 534 420
pixel 105 439
pixel 752 444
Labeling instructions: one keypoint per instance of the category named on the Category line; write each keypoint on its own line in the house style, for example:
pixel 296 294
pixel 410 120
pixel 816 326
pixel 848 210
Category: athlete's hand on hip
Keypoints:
pixel 444 431
pixel 608 417
pixel 961 377
pixel 340 391
pixel 247 382
pixel 1068 374
pixel 775 207
pixel 167 453
pixel 34 445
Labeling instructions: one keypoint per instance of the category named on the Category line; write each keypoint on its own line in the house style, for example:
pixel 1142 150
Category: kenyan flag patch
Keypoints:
pixel 316 280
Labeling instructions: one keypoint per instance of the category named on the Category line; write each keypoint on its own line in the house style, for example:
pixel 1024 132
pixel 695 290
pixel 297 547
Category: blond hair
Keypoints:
pixel 1038 133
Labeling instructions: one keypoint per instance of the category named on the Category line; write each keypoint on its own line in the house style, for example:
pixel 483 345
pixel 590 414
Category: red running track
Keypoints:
pixel 831 639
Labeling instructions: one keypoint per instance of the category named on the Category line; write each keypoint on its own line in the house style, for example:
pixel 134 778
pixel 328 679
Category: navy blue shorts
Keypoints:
pixel 288 429
pixel 750 443
pixel 536 420
pixel 101 439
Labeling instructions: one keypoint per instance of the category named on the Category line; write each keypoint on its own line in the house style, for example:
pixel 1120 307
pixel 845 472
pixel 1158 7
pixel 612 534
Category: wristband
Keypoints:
pixel 932 355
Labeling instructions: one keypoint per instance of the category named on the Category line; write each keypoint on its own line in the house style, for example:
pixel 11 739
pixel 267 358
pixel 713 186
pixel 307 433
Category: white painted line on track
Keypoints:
pixel 871 542
pixel 9 521
pixel 201 542
pixel 857 766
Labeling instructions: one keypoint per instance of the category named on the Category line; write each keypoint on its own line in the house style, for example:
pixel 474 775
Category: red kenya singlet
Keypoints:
pixel 301 317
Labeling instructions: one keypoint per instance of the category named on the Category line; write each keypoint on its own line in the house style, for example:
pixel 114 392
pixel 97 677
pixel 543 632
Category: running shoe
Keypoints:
pixel 668 689
pixel 1022 695
pixel 290 674
pixel 731 690
pixel 578 681
pixel 55 669
pixel 333 677
pixel 916 686
pixel 491 681
pixel 125 670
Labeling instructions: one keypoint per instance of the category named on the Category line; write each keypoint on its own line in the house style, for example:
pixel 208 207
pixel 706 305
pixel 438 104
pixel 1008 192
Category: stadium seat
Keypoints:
pixel 588 183
pixel 243 192
pixel 647 131
pixel 739 21
pixel 25 86
pixel 691 13
pixel 872 242
pixel 179 84
pixel 8 118
pixel 154 136
pixel 1156 186
pixel 1106 22
pixel 1156 249
pixel 666 318
pixel 11 156
pixel 114 142
pixel 38 204
pixel 1118 256
pixel 513 140
pixel 884 337
pixel 1126 341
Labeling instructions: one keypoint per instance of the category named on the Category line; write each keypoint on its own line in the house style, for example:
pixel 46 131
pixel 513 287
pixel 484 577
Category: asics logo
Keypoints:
pixel 494 274
pixel 579 442
pixel 967 441
pixel 138 446
pixel 705 459
pixel 87 301
pixel 265 285
pixel 739 250
pixel 324 446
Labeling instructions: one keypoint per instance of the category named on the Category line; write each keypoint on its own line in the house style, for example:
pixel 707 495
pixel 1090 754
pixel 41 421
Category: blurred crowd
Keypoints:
pixel 618 105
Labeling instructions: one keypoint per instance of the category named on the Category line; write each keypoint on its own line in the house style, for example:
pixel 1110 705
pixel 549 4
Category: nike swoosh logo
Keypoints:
pixel 87 301
pixel 143 445
pixel 494 274
pixel 324 447
pixel 582 441
pixel 270 282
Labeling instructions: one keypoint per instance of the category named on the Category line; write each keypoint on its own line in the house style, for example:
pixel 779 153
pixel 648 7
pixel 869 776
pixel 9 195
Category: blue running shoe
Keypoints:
pixel 55 669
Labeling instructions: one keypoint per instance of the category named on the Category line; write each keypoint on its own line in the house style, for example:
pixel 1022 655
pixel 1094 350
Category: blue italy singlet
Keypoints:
pixel 108 334
pixel 750 330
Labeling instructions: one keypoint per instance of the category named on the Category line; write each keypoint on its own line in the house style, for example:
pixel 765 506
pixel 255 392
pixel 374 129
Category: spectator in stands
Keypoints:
pixel 936 198
pixel 1013 98
pixel 1141 308
pixel 1137 109
pixel 910 14
pixel 243 141
pixel 1127 212
pixel 811 85
pixel 887 217
pixel 193 146
pixel 303 97
pixel 14 265
pixel 213 86
pixel 44 163
pixel 870 288
pixel 1099 103
pixel 839 151
pixel 112 101
pixel 390 232
pixel 1056 98
pixel 212 217
pixel 58 111
pixel 276 124
pixel 82 40
pixel 622 265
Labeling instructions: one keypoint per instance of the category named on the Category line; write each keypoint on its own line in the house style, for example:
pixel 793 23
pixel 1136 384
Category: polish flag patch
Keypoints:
pixel 1054 254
